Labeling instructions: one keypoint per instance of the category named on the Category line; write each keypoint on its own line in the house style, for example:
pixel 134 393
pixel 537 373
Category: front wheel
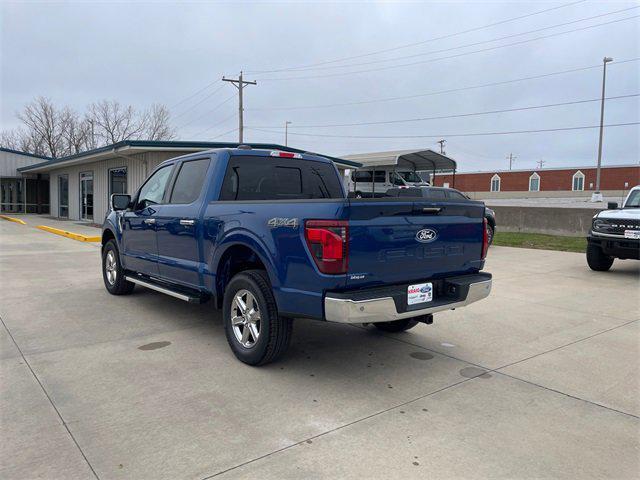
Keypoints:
pixel 256 333
pixel 396 325
pixel 597 260
pixel 112 271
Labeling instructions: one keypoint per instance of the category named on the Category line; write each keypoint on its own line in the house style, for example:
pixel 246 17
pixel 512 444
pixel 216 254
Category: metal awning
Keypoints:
pixel 418 160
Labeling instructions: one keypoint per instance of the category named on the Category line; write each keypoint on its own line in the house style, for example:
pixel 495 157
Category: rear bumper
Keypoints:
pixel 389 303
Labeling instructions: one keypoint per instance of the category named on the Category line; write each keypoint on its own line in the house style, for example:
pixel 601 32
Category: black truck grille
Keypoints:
pixel 617 227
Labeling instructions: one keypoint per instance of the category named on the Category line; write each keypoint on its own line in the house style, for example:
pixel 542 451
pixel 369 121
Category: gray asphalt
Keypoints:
pixel 539 380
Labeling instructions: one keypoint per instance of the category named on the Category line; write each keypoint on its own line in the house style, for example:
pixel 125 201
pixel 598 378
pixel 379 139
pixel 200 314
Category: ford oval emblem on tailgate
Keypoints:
pixel 426 235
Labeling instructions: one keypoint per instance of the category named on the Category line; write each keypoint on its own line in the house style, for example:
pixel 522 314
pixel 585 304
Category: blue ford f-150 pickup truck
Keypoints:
pixel 270 235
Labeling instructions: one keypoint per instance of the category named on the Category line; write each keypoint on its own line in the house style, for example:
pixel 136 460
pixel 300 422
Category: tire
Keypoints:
pixel 597 260
pixel 396 325
pixel 112 271
pixel 490 233
pixel 273 331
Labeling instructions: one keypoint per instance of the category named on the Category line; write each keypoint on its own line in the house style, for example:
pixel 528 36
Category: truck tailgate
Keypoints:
pixel 400 240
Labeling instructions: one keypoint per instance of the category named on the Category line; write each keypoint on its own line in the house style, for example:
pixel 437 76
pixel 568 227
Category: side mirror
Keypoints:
pixel 120 201
pixel 612 205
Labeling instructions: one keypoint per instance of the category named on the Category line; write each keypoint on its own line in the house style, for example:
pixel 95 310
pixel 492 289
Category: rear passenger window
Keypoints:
pixel 436 195
pixel 189 181
pixel 455 195
pixel 267 178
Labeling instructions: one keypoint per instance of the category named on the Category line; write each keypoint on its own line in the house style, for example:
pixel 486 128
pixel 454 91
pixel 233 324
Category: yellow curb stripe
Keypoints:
pixel 11 219
pixel 64 233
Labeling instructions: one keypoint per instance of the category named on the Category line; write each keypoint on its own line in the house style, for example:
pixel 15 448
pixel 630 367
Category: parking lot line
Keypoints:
pixel 13 219
pixel 75 236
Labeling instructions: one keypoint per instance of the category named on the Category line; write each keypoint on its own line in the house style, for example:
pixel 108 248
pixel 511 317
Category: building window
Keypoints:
pixel 534 182
pixel 117 180
pixel 578 181
pixel 495 183
pixel 63 196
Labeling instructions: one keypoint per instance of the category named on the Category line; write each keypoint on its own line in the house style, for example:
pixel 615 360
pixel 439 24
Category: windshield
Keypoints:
pixel 411 177
pixel 634 200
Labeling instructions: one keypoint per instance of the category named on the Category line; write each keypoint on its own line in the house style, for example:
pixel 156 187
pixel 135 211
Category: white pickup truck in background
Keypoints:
pixel 615 233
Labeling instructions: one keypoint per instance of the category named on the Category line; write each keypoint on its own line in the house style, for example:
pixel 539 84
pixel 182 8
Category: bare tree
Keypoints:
pixel 113 122
pixel 22 141
pixel 74 131
pixel 56 132
pixel 156 123
pixel 42 121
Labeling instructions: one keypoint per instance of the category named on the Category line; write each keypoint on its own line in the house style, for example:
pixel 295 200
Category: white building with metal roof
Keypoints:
pixel 80 185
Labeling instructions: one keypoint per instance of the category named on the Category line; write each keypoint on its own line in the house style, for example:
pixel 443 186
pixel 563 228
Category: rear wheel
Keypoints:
pixel 596 258
pixel 490 232
pixel 112 271
pixel 396 325
pixel 256 333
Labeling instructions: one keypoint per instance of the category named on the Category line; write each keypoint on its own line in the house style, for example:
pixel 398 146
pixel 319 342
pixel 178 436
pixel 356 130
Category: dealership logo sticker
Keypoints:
pixel 426 235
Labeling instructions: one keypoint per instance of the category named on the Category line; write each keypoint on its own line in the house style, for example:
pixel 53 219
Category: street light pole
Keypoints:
pixel 286 132
pixel 597 196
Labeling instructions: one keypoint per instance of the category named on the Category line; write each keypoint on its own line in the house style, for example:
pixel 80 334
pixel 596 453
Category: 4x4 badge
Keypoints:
pixel 283 222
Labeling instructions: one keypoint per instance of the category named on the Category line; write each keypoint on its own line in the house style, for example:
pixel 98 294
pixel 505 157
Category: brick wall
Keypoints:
pixel 612 178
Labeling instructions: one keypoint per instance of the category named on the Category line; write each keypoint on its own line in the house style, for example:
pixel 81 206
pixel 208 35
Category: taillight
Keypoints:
pixel 327 242
pixel 485 239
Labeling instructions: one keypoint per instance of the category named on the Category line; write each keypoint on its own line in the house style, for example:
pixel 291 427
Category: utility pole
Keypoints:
pixel 442 143
pixel 286 132
pixel 541 164
pixel 239 84
pixel 597 196
pixel 512 158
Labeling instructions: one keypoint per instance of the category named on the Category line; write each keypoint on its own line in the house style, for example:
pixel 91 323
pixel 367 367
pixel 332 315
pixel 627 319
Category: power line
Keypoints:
pixel 400 47
pixel 440 92
pixel 200 102
pixel 225 133
pixel 207 113
pixel 454 56
pixel 193 95
pixel 459 115
pixel 471 44
pixel 214 125
pixel 473 134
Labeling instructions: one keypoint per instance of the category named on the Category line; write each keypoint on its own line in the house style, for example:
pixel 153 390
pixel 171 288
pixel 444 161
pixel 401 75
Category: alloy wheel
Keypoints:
pixel 111 267
pixel 245 318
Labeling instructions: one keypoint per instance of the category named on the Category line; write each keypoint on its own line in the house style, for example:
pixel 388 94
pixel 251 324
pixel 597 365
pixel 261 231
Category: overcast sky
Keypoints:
pixel 141 53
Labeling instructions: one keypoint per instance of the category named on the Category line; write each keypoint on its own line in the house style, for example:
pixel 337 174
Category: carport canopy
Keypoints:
pixel 417 160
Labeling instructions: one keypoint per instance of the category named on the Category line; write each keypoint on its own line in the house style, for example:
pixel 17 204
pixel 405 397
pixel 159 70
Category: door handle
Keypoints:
pixel 431 210
pixel 186 221
pixel 149 221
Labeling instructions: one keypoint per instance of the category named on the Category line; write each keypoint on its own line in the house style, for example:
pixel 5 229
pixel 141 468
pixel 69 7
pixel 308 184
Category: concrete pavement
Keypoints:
pixel 539 380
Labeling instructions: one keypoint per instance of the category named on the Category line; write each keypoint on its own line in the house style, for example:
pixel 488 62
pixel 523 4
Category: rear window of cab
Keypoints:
pixel 275 178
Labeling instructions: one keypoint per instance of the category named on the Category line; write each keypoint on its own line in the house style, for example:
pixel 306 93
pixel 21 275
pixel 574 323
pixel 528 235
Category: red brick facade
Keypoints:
pixel 611 178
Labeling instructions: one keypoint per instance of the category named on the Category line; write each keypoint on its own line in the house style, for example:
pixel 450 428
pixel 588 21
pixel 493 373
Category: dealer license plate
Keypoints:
pixel 419 293
pixel 635 234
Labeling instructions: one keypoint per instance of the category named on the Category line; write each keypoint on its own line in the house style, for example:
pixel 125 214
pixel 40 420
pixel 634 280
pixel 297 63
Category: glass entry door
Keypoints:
pixel 63 196
pixel 86 196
